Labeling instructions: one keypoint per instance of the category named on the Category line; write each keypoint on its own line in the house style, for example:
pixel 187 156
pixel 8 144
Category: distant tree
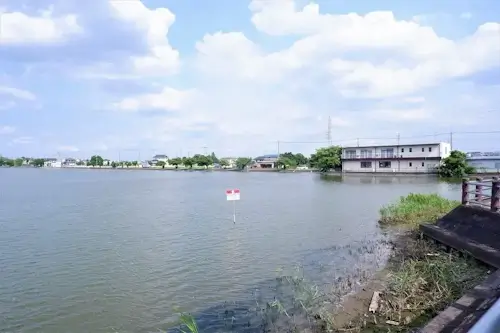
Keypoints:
pixel 128 164
pixel 202 160
pixel 301 159
pixel 37 162
pixel 6 162
pixel 214 158
pixel 135 163
pixel 326 158
pixel 224 163
pixel 242 162
pixel 160 164
pixel 175 161
pixel 286 162
pixel 188 161
pixel 80 163
pixel 96 160
pixel 18 162
pixel 455 166
pixel 114 164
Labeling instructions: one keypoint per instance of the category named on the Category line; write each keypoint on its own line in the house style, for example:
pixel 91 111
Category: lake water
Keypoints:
pixel 125 251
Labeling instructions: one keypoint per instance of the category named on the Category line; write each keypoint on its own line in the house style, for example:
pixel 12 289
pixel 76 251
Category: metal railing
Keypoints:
pixel 482 192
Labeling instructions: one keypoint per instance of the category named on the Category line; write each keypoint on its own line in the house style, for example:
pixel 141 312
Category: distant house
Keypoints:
pixel 484 162
pixel 265 162
pixel 230 160
pixel 161 157
pixel 69 162
pixel 52 163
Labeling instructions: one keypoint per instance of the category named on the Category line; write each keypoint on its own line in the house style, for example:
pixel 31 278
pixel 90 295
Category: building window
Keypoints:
pixel 423 164
pixel 350 154
pixel 384 164
pixel 410 164
pixel 387 153
pixel 410 149
pixel 366 165
pixel 366 153
pixel 423 149
pixel 402 150
pixel 430 149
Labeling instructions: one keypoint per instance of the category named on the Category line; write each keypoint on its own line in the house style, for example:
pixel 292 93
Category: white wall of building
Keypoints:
pixel 401 166
pixel 405 151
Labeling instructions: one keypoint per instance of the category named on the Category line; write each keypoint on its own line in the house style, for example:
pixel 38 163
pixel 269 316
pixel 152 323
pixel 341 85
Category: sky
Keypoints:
pixel 129 79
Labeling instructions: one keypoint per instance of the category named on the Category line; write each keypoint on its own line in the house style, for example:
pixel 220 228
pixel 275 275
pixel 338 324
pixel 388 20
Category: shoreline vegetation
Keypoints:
pixel 419 280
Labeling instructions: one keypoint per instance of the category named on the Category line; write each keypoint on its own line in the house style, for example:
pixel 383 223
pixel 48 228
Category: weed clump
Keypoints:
pixel 414 209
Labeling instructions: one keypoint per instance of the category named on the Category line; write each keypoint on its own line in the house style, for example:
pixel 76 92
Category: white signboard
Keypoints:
pixel 233 195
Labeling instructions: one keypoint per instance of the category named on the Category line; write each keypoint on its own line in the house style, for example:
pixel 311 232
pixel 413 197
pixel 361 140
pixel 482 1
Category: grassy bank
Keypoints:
pixel 421 278
pixel 412 210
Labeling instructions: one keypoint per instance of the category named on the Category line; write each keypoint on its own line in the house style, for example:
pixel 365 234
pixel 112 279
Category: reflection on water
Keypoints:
pixel 118 251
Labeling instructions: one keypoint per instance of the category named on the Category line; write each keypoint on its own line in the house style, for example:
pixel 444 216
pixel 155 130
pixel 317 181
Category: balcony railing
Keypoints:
pixel 348 156
pixel 482 192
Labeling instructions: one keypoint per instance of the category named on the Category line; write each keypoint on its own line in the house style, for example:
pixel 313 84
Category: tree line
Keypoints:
pixel 324 159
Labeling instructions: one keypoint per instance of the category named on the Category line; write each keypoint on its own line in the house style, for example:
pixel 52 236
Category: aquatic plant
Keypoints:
pixel 416 208
pixel 190 323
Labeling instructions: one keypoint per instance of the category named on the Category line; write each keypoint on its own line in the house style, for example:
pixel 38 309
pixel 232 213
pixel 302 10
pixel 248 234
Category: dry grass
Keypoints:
pixel 423 280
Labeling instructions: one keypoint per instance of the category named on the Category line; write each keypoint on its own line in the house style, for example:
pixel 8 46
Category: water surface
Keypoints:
pixel 108 251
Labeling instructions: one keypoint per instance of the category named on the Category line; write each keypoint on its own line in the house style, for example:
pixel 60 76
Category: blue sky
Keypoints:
pixel 124 77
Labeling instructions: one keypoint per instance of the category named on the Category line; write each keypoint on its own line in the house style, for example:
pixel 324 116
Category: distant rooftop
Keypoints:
pixel 396 145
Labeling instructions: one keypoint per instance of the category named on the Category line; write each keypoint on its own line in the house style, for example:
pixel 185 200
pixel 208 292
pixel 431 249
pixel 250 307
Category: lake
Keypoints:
pixel 125 251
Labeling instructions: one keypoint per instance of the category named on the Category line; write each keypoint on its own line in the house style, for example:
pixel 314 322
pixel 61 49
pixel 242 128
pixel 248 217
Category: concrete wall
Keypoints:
pixel 404 166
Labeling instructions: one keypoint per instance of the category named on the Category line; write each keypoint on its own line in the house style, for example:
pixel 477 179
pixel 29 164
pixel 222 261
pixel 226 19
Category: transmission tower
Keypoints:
pixel 329 133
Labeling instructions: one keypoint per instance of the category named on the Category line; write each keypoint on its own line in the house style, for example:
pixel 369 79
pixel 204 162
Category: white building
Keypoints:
pixel 52 163
pixel 414 158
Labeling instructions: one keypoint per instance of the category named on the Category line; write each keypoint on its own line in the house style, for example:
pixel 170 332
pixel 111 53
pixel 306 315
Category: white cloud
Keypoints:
pixel 155 23
pixel 168 99
pixel 17 93
pixel 466 16
pixel 401 115
pixel 7 129
pixel 19 28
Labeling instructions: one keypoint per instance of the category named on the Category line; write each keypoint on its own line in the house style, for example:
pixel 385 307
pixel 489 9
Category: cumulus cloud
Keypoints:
pixel 19 28
pixel 372 74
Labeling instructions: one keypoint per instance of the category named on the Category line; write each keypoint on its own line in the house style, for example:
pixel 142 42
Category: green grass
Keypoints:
pixel 416 208
pixel 190 323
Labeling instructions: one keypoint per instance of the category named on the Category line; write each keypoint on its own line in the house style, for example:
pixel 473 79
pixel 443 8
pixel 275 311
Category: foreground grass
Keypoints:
pixel 414 209
pixel 422 281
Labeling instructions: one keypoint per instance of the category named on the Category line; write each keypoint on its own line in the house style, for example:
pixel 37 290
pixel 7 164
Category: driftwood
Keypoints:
pixel 374 304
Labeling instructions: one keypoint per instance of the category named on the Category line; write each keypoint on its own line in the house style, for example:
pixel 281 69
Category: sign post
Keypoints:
pixel 233 195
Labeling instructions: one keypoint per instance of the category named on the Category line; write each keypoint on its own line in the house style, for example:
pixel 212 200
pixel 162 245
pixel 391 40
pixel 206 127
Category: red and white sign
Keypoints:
pixel 233 195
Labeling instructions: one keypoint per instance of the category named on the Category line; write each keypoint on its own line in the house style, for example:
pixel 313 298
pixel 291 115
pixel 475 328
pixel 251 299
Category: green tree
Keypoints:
pixel 135 163
pixel 175 161
pixel 6 162
pixel 96 160
pixel 114 164
pixel 202 160
pixel 18 162
pixel 300 159
pixel 455 166
pixel 286 162
pixel 326 158
pixel 188 161
pixel 224 163
pixel 37 162
pixel 160 164
pixel 214 158
pixel 242 162
pixel 80 163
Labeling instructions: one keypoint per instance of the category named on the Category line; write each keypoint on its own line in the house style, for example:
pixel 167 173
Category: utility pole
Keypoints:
pixel 451 140
pixel 278 143
pixel 357 141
